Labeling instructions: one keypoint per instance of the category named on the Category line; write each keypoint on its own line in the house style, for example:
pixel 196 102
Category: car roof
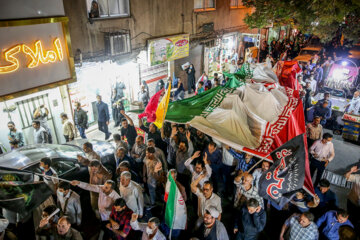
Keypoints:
pixel 31 154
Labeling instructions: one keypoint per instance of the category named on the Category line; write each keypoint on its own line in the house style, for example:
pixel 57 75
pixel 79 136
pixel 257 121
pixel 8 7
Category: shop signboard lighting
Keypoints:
pixel 35 55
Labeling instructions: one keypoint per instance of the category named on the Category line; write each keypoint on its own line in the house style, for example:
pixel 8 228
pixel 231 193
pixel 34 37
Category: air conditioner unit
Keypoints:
pixel 117 43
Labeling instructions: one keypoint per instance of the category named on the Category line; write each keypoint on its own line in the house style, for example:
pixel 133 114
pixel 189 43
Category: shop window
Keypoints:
pixel 98 9
pixel 236 4
pixel 204 5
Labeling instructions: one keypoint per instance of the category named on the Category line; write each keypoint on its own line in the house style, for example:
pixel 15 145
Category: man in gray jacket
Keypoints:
pixel 212 228
pixel 69 203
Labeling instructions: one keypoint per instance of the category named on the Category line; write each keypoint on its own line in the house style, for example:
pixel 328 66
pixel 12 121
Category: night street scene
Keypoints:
pixel 180 120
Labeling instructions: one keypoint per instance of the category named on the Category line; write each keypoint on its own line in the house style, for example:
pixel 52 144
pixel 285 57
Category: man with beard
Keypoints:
pixel 89 152
pixel 128 130
pixel 119 226
pixel 150 229
pixel 138 152
pixel 314 131
pixel 132 193
pixel 354 105
pixel 149 175
pixel 200 141
pixel 64 230
pixel 107 197
pixel 212 228
pixel 206 198
pixel 183 153
pixel 98 176
pixel 199 168
pixel 259 171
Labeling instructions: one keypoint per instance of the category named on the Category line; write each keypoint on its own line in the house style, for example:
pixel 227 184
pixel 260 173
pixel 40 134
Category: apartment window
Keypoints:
pixel 108 8
pixel 204 5
pixel 236 4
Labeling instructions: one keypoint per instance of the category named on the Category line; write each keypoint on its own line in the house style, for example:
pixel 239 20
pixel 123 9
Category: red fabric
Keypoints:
pixel 288 75
pixel 150 110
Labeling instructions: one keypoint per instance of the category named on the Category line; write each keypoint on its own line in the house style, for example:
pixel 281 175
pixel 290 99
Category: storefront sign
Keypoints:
pixel 168 49
pixel 34 55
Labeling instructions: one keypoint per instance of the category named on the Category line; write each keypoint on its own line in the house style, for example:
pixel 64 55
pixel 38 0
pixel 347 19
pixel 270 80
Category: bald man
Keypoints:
pixel 65 231
pixel 245 187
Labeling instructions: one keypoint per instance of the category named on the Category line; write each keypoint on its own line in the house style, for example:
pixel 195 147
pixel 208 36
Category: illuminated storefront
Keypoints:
pixel 35 66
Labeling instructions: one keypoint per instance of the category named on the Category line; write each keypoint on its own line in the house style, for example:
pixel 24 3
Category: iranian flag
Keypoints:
pixel 251 113
pixel 175 213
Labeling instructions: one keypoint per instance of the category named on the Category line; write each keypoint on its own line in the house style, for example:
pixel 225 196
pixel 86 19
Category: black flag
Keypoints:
pixel 19 193
pixel 23 198
pixel 287 174
pixel 14 175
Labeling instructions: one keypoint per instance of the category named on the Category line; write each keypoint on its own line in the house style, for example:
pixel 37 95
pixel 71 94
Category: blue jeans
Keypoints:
pixel 82 132
pixel 152 192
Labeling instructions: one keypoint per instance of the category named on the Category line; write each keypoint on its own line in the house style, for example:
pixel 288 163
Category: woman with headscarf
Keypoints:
pixel 160 85
pixel 190 71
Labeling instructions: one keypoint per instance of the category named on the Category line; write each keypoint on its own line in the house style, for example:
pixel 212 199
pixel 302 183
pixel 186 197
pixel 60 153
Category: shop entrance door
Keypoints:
pixel 26 109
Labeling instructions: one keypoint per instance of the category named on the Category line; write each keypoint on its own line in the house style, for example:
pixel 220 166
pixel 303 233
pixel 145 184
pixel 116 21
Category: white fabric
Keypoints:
pixel 241 117
pixel 180 214
pixel 133 195
pixel 263 73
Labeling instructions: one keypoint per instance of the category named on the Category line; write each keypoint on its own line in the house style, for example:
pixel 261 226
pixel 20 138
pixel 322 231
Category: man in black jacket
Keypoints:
pixel 253 220
pixel 80 119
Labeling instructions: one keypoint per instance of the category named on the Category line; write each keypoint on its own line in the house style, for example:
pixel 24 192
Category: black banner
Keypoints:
pixel 23 198
pixel 287 174
pixel 14 175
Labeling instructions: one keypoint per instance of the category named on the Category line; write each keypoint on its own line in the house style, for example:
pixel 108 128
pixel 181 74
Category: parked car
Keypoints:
pixel 64 160
pixel 306 54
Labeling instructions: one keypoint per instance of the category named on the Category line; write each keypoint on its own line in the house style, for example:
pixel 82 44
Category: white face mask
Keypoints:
pixel 149 231
pixel 61 194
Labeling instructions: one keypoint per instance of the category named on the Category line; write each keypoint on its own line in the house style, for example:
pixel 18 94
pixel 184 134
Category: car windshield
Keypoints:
pixel 66 151
pixel 308 52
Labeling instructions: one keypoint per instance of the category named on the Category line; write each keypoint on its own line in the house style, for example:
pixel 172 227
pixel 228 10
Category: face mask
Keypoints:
pixel 42 168
pixel 149 231
pixel 61 194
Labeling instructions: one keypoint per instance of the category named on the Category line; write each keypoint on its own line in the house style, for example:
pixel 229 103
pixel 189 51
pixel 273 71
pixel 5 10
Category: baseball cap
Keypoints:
pixel 213 211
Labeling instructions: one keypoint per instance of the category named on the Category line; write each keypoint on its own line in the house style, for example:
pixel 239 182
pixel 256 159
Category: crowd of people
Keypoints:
pixel 211 177
pixel 219 185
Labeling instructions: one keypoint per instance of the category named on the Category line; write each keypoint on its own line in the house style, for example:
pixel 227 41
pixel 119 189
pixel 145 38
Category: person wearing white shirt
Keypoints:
pixel 322 152
pixel 150 229
pixel 354 105
pixel 198 169
pixel 206 198
pixel 132 193
pixel 107 196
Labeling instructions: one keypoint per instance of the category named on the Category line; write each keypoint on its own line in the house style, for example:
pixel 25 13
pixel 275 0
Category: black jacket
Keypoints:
pixel 81 118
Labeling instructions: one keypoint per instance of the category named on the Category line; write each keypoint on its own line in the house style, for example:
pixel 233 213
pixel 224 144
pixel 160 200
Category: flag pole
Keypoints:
pixel 61 179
